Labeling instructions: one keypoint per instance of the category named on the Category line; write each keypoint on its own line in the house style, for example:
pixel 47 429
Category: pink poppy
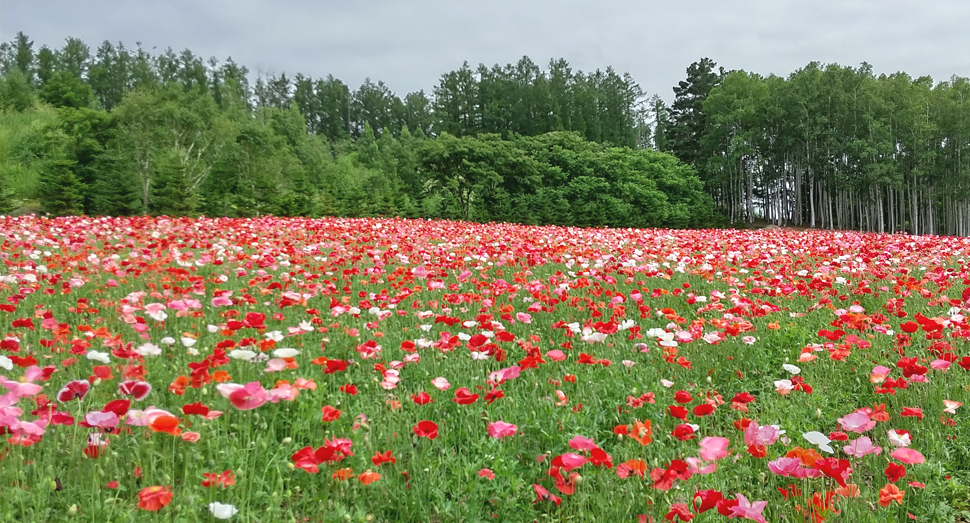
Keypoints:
pixel 879 374
pixel 501 376
pixel 501 429
pixel 275 365
pixel 101 420
pixel 748 510
pixel 487 474
pixel 556 355
pixel 792 467
pixel 25 387
pixel 857 422
pixel 569 461
pixel 581 443
pixel 862 447
pixel 244 397
pixel 714 448
pixel 441 383
pixel 761 436
pixel 908 456
pixel 700 466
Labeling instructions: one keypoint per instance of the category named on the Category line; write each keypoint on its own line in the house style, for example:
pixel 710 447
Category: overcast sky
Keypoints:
pixel 409 44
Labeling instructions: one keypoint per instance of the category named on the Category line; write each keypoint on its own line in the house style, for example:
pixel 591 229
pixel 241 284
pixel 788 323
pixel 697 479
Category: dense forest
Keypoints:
pixel 830 146
pixel 119 131
pixel 124 132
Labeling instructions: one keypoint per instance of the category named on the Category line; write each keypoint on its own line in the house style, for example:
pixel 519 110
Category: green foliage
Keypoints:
pixel 688 121
pixel 15 92
pixel 64 89
pixel 8 201
pixel 171 191
pixel 115 188
pixel 173 134
pixel 61 193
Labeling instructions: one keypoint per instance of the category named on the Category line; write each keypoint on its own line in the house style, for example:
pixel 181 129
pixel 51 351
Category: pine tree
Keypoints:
pixel 170 191
pixel 689 124
pixel 115 190
pixel 8 203
pixel 61 193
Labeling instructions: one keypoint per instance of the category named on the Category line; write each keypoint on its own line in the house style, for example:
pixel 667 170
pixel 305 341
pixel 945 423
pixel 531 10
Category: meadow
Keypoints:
pixel 299 370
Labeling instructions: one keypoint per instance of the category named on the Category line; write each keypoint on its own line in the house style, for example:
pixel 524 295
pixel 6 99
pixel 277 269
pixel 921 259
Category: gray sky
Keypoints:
pixel 409 44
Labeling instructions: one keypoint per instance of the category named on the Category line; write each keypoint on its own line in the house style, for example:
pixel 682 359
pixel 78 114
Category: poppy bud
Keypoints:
pixel 96 382
pixel 818 413
pixel 72 511
pixel 287 440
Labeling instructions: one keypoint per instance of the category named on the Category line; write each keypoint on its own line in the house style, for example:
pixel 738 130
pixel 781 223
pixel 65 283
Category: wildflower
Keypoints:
pixel 642 432
pixel 154 498
pixel 330 413
pixel 501 429
pixel 222 510
pixel 908 456
pixel 76 389
pixel 890 493
pixel 224 479
pixel 368 477
pixel 244 397
pixel 426 429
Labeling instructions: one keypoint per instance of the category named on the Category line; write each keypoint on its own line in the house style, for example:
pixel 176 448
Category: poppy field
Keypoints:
pixel 298 370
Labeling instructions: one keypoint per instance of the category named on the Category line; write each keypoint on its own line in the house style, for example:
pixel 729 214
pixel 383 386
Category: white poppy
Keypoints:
pixel 222 510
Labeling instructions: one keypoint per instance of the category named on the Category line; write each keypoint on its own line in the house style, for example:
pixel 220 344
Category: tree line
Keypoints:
pixel 122 132
pixel 829 146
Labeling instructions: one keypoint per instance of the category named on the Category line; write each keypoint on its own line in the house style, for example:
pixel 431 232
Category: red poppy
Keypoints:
pixel 632 467
pixel 154 498
pixel 329 413
pixel 198 409
pixel 912 412
pixel 895 472
pixel 349 389
pixel 379 458
pixel 543 495
pixel 137 389
pixel 703 409
pixel 678 412
pixel 212 479
pixel 463 396
pixel 421 398
pixel 76 389
pixel 709 499
pixel 679 511
pixel 342 474
pixel 368 477
pixel 683 432
pixel 682 396
pixel 426 429
pixel 167 424
pixel 119 407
